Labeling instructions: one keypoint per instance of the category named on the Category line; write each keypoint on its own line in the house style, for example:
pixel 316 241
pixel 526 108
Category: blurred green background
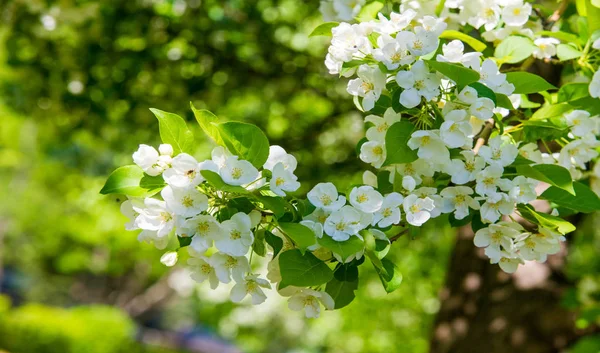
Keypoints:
pixel 76 81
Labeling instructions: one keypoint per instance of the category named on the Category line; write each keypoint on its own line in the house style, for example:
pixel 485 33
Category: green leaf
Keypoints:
pixel 369 11
pixel 504 101
pixel 300 234
pixel 324 29
pixel 526 82
pixel 593 17
pixel 206 119
pixel 551 111
pixel 484 91
pixel 563 36
pixel 342 286
pixel 184 241
pixel 396 137
pixel 215 180
pixel 276 204
pixel 566 52
pixel 549 173
pixel 572 92
pixel 545 220
pixel 547 130
pixel 585 200
pixel 383 182
pixel 132 181
pixel 472 42
pixel 258 246
pixel 344 249
pixel 302 270
pixel 391 278
pixel 174 131
pixel 246 141
pixel 457 73
pixel 592 105
pixel 274 241
pixel 514 49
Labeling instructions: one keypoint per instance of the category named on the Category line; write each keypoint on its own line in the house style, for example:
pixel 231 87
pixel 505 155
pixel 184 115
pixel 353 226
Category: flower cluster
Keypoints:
pixel 449 173
pixel 189 208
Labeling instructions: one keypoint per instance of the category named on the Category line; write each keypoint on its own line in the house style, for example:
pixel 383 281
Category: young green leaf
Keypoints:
pixel 324 29
pixel 504 102
pixel 302 270
pixel 276 204
pixel 342 286
pixel 396 139
pixel 274 241
pixel 391 278
pixel 551 111
pixel 300 234
pixel 174 131
pixel 572 92
pixel 205 120
pixel 484 91
pixel 545 220
pixel 526 82
pixel 369 11
pixel 549 173
pixel 566 52
pixel 514 49
pixel 131 180
pixel 585 200
pixel 344 249
pixel 457 73
pixel 246 141
pixel 472 42
pixel 215 180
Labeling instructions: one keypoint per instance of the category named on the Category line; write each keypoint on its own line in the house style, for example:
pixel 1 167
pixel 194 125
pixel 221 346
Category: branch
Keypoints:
pixel 484 136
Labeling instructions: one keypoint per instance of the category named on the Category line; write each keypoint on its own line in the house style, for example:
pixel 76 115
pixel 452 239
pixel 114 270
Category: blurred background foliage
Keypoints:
pixel 76 80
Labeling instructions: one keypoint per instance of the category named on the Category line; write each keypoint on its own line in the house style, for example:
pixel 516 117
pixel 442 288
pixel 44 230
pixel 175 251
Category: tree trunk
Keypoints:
pixel 486 310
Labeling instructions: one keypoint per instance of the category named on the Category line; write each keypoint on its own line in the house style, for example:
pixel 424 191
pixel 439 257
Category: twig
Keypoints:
pixel 485 134
pixel 558 13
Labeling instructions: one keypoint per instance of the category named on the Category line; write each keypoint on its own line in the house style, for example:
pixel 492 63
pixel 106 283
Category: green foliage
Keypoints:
pixel 395 143
pixel 41 329
pixel 457 73
pixel 343 285
pixel 390 275
pixel 545 220
pixel 514 49
pixel 302 236
pixel 324 29
pixel 549 173
pixel 344 249
pixel 583 200
pixel 174 131
pixel 474 43
pixel 132 181
pixel 302 270
pixel 246 141
pixel 526 82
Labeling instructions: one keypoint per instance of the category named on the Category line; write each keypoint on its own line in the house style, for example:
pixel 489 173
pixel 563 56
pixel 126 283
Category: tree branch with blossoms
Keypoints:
pixel 449 134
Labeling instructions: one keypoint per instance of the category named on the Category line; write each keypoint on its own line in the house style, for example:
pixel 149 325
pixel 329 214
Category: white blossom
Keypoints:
pixel 458 199
pixel 373 152
pixel 185 202
pixel 227 267
pixel 417 82
pixel 368 85
pixel 366 198
pixel 381 124
pixel 546 47
pixel 252 285
pixel 203 229
pixel 496 205
pixel 462 172
pixel 149 159
pixel 283 180
pixel 310 301
pixel 389 213
pixel 343 223
pixel 237 236
pixel 184 172
pixel 278 155
pixel 203 270
pixel 325 196
pixel 417 209
pixel 455 130
pixel 429 144
pixel 499 151
pixel 238 172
